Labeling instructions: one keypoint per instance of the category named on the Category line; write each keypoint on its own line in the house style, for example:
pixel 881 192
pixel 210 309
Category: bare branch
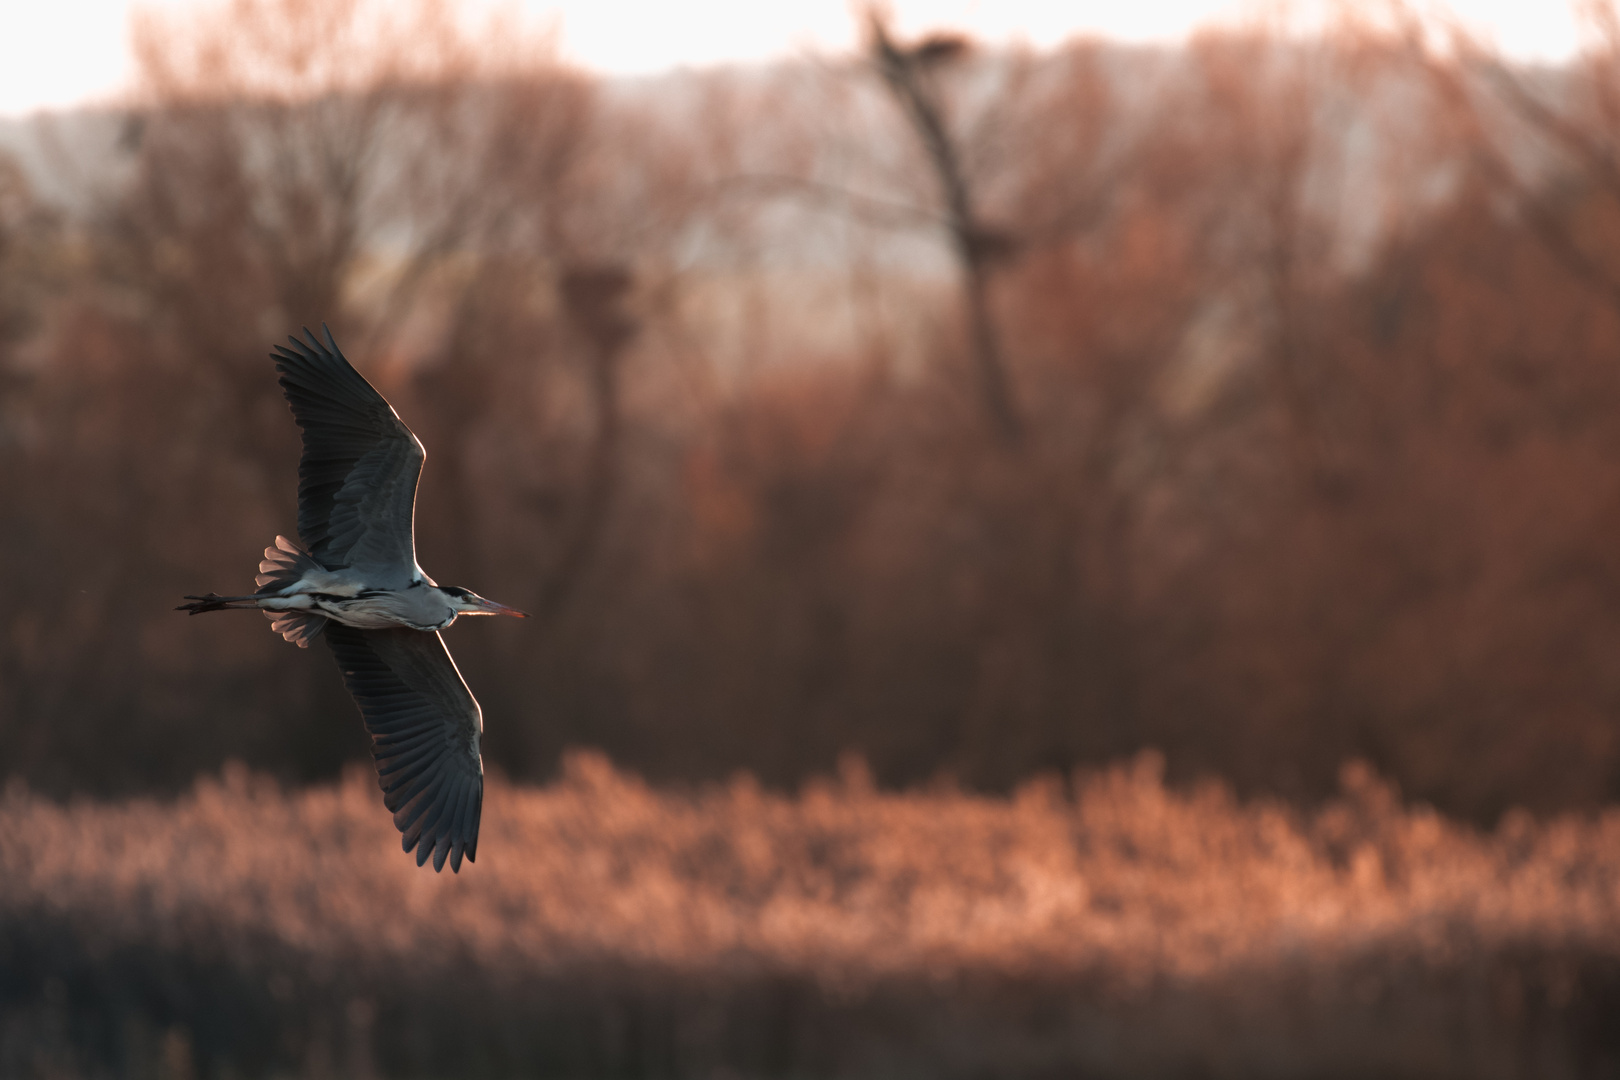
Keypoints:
pixel 906 72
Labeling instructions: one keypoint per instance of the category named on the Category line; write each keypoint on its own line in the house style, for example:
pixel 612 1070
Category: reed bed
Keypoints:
pixel 1106 924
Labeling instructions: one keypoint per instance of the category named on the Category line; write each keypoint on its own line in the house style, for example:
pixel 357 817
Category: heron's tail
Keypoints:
pixel 285 563
pixel 298 627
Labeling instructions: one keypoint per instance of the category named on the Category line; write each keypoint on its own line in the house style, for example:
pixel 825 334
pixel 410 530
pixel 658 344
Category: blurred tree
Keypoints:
pixel 910 73
pixel 289 163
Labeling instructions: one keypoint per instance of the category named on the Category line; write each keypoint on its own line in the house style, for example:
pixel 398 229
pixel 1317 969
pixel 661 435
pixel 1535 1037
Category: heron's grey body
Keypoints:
pixel 357 581
pixel 338 596
pixel 349 596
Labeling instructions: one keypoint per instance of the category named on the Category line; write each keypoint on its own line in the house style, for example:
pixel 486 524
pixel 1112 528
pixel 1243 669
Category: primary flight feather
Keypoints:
pixel 356 580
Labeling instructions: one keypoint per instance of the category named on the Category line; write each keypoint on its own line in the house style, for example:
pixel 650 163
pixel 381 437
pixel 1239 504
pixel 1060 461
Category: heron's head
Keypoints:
pixel 467 602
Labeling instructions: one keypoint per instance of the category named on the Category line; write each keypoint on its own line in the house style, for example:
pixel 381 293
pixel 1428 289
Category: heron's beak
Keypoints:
pixel 492 608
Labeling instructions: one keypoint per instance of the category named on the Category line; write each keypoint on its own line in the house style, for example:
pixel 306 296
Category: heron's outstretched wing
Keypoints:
pixel 424 727
pixel 357 478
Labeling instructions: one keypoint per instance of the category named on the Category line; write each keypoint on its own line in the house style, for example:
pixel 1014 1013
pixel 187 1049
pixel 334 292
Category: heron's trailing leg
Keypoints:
pixel 281 580
pixel 216 602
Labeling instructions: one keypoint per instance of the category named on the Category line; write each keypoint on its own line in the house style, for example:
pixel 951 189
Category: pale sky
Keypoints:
pixel 56 53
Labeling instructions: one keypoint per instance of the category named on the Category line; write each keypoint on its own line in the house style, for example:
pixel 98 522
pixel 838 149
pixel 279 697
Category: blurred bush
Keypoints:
pixel 1308 346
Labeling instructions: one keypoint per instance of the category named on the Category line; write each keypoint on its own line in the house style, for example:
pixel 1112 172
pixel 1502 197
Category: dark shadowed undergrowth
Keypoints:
pixel 1111 927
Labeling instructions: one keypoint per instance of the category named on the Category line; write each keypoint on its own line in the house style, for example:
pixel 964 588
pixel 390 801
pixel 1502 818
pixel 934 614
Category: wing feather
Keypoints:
pixel 357 477
pixel 425 727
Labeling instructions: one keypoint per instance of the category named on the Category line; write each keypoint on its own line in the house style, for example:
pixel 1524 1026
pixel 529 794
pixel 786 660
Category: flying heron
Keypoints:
pixel 356 579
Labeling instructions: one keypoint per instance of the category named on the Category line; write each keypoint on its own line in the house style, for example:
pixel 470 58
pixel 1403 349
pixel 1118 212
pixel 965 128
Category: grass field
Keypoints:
pixel 1107 927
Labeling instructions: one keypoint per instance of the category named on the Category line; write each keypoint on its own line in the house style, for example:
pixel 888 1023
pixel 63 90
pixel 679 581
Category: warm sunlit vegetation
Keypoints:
pixel 609 928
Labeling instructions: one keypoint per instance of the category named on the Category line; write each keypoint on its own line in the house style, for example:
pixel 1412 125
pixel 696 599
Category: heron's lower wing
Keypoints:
pixel 424 727
pixel 357 478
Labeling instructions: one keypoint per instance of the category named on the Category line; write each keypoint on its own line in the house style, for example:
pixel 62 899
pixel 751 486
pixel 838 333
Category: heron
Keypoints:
pixel 355 580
